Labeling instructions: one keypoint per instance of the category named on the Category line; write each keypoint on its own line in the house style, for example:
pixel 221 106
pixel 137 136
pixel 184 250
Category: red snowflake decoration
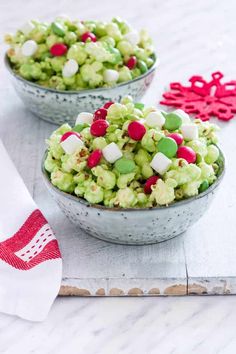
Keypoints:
pixel 205 99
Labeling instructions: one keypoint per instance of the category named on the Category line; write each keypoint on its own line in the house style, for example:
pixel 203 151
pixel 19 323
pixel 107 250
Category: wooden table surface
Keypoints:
pixel 188 41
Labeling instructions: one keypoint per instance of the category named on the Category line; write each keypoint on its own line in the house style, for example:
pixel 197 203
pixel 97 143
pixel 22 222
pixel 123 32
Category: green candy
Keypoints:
pixel 168 147
pixel 58 29
pixel 124 165
pixel 203 186
pixel 139 105
pixel 79 127
pixel 142 66
pixel 173 121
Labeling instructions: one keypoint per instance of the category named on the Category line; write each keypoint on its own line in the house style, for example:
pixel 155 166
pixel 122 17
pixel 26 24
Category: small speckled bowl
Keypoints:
pixel 134 226
pixel 59 107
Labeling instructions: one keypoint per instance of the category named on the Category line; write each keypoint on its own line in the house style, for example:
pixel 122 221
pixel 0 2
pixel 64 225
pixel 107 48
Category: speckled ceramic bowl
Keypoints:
pixel 59 107
pixel 134 226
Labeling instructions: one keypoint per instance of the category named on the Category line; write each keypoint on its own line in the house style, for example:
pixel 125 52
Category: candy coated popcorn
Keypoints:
pixel 124 161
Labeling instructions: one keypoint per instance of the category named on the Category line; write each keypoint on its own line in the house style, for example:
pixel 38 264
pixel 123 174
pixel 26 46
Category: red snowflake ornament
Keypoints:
pixel 205 99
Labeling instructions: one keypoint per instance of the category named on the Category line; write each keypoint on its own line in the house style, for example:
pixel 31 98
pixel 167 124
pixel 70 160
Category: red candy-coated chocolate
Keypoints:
pixel 108 104
pixel 94 158
pixel 186 153
pixel 177 137
pixel 131 62
pixel 101 113
pixel 67 134
pixel 150 182
pixel 99 127
pixel 136 130
pixel 58 49
pixel 88 35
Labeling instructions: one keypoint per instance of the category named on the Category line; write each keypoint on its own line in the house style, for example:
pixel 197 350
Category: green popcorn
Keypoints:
pixel 190 189
pixel 212 154
pixel 86 135
pixel 126 100
pixel 124 74
pixel 125 198
pixel 125 48
pixel 70 38
pixel 100 29
pixel 99 143
pixel 113 31
pixel 123 25
pixel 62 180
pixel 142 199
pixel 57 83
pixel 108 40
pixel 184 174
pixel 80 28
pixel 116 113
pixel 116 57
pixel 57 63
pixel 90 73
pixel 207 172
pixel 146 170
pixel 51 164
pixel 124 179
pixel 75 162
pixel 162 193
pixel 78 53
pixel 109 197
pixel 149 140
pixel 53 39
pixel 39 33
pixel 142 157
pixel 105 179
pixel 98 51
pixel 94 193
pixel 42 51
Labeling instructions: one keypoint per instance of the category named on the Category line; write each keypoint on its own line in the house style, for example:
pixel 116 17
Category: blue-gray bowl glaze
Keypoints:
pixel 134 226
pixel 59 107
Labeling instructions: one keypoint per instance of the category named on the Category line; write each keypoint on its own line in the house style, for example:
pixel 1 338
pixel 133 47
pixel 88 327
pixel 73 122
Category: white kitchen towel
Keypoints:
pixel 30 260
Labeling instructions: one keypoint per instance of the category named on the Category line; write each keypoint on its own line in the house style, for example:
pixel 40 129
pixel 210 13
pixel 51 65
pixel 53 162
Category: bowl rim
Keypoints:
pixel 74 92
pixel 105 208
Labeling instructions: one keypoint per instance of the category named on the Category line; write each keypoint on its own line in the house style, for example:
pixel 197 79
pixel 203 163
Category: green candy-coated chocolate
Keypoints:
pixel 79 127
pixel 173 121
pixel 58 29
pixel 142 66
pixel 203 187
pixel 168 147
pixel 139 105
pixel 124 165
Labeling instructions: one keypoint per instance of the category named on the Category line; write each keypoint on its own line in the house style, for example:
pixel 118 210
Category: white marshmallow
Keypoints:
pixel 110 76
pixel 29 48
pixel 84 117
pixel 112 152
pixel 132 37
pixel 189 131
pixel 160 163
pixel 155 119
pixel 183 115
pixel 70 68
pixel 71 144
pixel 27 28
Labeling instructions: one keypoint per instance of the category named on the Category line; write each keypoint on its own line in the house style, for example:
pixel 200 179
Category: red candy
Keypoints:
pixel 136 130
pixel 131 62
pixel 94 158
pixel 100 114
pixel 67 134
pixel 177 137
pixel 108 104
pixel 186 153
pixel 150 182
pixel 88 35
pixel 58 49
pixel 99 127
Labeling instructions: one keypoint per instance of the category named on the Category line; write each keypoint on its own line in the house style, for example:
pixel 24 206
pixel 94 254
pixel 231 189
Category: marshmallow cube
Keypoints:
pixel 84 117
pixel 112 152
pixel 160 163
pixel 27 28
pixel 189 131
pixel 155 119
pixel 29 48
pixel 110 75
pixel 71 144
pixel 132 37
pixel 70 68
